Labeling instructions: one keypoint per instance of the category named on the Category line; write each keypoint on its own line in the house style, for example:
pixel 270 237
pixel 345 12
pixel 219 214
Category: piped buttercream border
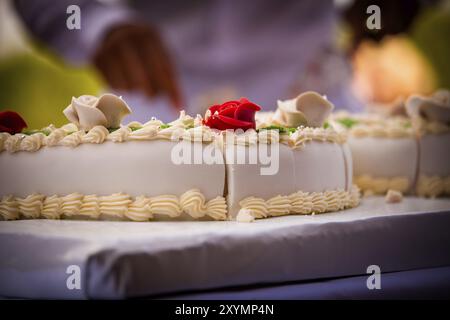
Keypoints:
pixel 155 130
pixel 120 206
pixel 116 206
pixel 433 186
pixel 380 185
pixel 300 203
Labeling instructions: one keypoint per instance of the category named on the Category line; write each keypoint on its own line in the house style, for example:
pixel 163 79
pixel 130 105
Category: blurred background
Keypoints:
pixel 163 56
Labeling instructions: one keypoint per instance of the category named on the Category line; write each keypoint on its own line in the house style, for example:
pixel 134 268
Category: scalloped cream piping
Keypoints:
pixel 139 209
pixel 65 136
pixel 97 135
pixel 90 207
pixel 301 203
pixel 375 125
pixel 9 208
pixel 115 205
pixel 198 134
pixel 51 208
pixel 256 206
pixel 31 206
pixel 303 135
pixel 72 140
pixel 32 142
pixel 433 186
pixel 269 136
pixel 166 205
pixel 171 133
pixel 191 202
pixel 71 204
pixel 144 133
pixel 379 131
pixel 120 135
pixel 396 128
pixel 118 205
pixel 380 185
pixel 55 137
pixel 3 137
pixel 13 143
pixel 278 206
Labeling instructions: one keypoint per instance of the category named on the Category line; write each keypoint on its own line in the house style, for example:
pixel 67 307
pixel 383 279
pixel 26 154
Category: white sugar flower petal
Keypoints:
pixel 315 108
pixel 433 108
pixel 88 111
pixel 308 109
pixel 89 117
pixel 113 108
pixel 71 115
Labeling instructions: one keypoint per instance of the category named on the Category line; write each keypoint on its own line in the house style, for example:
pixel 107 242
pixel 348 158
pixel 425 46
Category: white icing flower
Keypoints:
pixel 433 108
pixel 308 109
pixel 88 111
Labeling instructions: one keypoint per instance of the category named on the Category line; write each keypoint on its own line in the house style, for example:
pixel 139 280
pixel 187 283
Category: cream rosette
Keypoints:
pixel 435 108
pixel 88 111
pixel 309 109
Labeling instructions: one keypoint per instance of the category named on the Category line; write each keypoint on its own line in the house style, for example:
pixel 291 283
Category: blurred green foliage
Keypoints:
pixel 431 33
pixel 38 87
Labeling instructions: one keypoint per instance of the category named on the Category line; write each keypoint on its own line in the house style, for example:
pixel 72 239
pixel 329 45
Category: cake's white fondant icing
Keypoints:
pixel 318 167
pixel 85 169
pixel 434 165
pixel 136 168
pixel 348 166
pixel 384 157
pixel 435 155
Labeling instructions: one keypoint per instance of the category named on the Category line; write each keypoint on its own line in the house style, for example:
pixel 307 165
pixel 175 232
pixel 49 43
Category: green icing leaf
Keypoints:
pixel 279 128
pixel 30 132
pixel 347 122
pixel 135 128
pixel 112 129
pixel 164 126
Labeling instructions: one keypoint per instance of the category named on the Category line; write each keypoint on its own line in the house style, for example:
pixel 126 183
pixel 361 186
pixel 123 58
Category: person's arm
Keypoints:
pixel 129 54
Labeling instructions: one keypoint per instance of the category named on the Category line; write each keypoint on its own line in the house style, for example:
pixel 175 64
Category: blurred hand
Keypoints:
pixel 133 57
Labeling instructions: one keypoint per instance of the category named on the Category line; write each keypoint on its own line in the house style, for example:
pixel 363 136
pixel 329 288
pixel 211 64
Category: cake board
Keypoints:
pixel 135 259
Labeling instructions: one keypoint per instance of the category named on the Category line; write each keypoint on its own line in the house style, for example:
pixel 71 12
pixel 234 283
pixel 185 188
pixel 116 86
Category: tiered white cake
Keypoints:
pixel 96 168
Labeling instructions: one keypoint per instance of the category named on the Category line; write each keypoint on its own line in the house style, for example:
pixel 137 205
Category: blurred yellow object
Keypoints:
pixel 393 68
pixel 39 88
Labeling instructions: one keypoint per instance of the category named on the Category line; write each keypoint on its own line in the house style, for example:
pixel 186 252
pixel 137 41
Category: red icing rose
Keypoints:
pixel 233 115
pixel 11 122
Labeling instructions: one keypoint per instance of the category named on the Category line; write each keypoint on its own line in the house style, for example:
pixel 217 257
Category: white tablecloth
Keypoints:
pixel 129 259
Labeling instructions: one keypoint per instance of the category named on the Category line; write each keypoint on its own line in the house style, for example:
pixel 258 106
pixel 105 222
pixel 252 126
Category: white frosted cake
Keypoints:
pixel 217 167
pixel 410 154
